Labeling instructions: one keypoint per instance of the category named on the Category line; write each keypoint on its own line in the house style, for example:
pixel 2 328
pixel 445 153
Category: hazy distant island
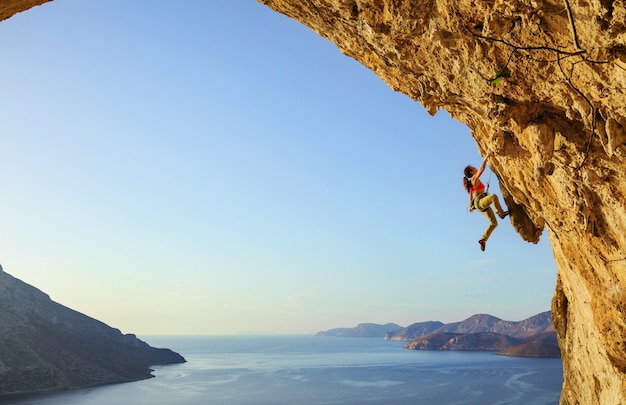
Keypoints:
pixel 366 330
pixel 532 337
pixel 45 346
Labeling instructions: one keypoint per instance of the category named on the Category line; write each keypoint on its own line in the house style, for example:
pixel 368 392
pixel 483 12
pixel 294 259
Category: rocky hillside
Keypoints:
pixel 487 341
pixel 45 346
pixel 367 330
pixel 543 345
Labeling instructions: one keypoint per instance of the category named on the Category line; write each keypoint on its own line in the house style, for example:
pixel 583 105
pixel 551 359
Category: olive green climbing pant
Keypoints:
pixel 483 205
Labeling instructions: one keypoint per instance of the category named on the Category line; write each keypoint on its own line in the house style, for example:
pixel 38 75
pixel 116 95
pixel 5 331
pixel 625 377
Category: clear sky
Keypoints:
pixel 213 167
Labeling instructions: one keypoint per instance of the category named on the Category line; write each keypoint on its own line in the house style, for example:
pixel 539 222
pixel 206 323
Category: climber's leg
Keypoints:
pixel 493 199
pixel 493 223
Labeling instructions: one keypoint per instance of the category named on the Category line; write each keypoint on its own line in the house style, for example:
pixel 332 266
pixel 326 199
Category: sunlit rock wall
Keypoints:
pixel 556 119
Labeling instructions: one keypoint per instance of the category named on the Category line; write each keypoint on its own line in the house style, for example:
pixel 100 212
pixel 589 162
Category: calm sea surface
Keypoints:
pixel 325 370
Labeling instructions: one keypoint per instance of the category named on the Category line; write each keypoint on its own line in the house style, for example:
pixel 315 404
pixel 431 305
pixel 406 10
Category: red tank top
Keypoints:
pixel 477 189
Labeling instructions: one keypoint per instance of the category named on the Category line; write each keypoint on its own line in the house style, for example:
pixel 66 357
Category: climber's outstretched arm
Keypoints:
pixel 481 169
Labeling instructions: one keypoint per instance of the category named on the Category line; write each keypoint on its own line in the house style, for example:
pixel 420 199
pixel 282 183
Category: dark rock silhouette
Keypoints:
pixel 45 346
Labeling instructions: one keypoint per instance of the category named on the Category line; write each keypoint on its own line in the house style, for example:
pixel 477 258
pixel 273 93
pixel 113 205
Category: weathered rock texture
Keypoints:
pixel 557 126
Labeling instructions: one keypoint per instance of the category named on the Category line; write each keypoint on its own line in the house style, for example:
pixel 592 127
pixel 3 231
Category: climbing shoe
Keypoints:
pixel 483 244
pixel 504 214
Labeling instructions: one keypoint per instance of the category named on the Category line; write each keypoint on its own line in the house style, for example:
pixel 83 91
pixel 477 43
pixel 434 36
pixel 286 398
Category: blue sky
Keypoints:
pixel 218 168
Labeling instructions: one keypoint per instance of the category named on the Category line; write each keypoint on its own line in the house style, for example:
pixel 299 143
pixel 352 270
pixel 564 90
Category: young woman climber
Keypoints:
pixel 482 201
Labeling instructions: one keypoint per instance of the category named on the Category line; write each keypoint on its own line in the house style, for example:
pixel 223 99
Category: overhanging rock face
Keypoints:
pixel 11 7
pixel 542 84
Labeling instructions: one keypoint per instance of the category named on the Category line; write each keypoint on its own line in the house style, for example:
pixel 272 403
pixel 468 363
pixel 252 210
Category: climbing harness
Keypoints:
pixel 475 204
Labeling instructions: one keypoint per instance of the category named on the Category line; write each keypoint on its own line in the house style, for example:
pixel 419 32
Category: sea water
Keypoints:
pixel 240 370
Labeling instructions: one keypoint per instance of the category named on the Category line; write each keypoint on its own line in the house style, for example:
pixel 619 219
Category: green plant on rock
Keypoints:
pixel 499 74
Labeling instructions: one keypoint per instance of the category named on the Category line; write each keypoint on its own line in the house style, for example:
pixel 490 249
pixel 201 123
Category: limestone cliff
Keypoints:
pixel 542 83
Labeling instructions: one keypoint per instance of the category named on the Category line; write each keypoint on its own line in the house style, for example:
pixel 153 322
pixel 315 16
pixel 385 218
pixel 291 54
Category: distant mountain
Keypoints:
pixel 414 331
pixel 366 330
pixel 45 346
pixel 534 325
pixel 474 324
pixel 532 337
pixel 480 323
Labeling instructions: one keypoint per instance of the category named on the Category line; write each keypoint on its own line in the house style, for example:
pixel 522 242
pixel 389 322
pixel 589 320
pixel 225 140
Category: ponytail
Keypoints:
pixel 467 184
pixel 467 179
